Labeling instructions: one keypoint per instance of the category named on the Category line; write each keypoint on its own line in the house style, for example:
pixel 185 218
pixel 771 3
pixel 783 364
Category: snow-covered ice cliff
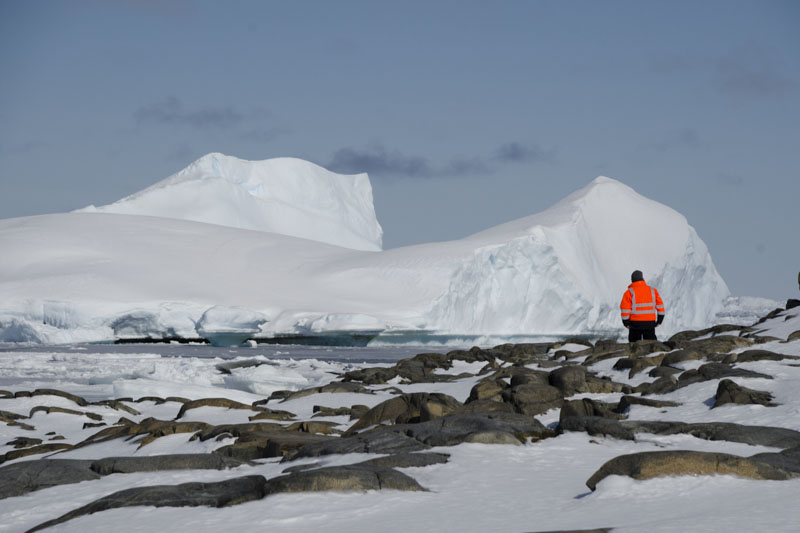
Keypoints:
pixel 98 276
pixel 283 195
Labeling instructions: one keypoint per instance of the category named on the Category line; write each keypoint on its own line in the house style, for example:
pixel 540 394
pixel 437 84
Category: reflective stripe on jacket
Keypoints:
pixel 641 303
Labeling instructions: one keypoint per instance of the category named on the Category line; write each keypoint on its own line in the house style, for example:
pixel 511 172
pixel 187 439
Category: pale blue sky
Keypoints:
pixel 465 114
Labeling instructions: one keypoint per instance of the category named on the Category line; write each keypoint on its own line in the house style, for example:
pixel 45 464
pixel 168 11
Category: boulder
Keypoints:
pixel 647 465
pixel 569 379
pixel 487 389
pixel 335 387
pixel 157 463
pixel 533 399
pixel 409 460
pixel 588 407
pixel 27 476
pixel 34 450
pixel 53 392
pixel 213 402
pixel 220 494
pixel 626 401
pixel 414 407
pixel 595 426
pixel 748 356
pixel 388 442
pixel 357 477
pixel 730 392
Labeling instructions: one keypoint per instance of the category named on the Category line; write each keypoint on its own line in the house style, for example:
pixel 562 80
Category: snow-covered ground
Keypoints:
pixel 125 271
pixel 532 487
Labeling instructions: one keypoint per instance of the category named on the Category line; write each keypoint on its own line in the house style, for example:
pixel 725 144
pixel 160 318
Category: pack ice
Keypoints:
pixel 286 247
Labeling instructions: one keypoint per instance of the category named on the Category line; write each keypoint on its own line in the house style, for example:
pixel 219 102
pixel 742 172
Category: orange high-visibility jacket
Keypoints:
pixel 641 303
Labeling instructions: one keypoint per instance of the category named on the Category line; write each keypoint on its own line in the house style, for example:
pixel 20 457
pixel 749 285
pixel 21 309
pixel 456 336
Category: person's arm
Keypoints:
pixel 659 308
pixel 625 308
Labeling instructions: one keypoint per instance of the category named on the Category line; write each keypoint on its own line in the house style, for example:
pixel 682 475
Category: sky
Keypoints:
pixel 465 114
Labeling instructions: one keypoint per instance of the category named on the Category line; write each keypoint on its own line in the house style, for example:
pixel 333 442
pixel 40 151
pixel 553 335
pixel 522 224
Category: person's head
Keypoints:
pixel 637 276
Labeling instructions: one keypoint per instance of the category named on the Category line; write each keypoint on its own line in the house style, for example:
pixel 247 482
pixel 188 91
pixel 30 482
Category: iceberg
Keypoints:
pixel 106 274
pixel 282 195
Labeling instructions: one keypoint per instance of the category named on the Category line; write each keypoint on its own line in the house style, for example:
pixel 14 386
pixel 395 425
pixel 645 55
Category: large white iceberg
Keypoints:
pixel 283 195
pixel 98 276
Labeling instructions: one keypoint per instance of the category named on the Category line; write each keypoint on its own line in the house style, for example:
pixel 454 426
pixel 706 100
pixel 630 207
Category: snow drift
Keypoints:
pixel 282 195
pixel 95 276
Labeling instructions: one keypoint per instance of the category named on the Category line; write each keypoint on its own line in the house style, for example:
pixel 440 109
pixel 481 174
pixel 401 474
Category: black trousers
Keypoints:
pixel 637 334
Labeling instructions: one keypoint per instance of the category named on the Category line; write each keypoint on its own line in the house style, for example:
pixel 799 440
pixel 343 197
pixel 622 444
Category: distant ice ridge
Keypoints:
pixel 81 276
pixel 283 195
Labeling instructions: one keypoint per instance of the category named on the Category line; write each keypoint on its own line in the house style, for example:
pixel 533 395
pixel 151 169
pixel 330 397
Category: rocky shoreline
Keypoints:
pixel 510 386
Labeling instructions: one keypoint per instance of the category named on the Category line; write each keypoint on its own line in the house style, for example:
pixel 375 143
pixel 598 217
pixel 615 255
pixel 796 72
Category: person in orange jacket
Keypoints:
pixel 642 309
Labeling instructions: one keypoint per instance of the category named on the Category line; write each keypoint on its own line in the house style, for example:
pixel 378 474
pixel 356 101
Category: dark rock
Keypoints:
pixel 177 399
pixel 357 477
pixel 595 426
pixel 271 414
pixel 487 389
pixel 409 460
pixel 6 394
pixel 647 465
pixel 730 392
pixel 489 405
pixel 522 353
pixel 157 463
pixel 357 411
pixel 533 399
pixel 156 399
pixel 569 379
pixel 788 460
pixel 321 410
pixel 673 358
pixel 212 402
pixel 418 406
pixel 521 375
pixel 663 372
pixel 748 356
pixel 335 387
pixel 34 450
pixel 119 406
pixel 147 430
pixel 389 442
pixel 219 494
pixel 791 303
pixel 53 392
pixel 48 410
pixel 711 371
pixel 754 435
pixel 626 401
pixel 719 344
pixel 23 442
pixel 371 376
pixel 685 336
pixel 27 476
pixel 588 407
pixel 499 428
pixel 314 426
pixel 793 336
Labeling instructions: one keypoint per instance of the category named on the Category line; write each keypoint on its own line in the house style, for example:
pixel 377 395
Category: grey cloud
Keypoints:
pixel 377 160
pixel 752 72
pixel 171 111
pixel 515 152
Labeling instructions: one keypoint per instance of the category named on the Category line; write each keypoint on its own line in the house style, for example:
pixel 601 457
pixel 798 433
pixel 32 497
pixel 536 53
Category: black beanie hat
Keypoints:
pixel 637 276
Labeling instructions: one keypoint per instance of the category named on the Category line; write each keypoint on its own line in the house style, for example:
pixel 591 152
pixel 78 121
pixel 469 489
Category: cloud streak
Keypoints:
pixel 171 111
pixel 378 161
